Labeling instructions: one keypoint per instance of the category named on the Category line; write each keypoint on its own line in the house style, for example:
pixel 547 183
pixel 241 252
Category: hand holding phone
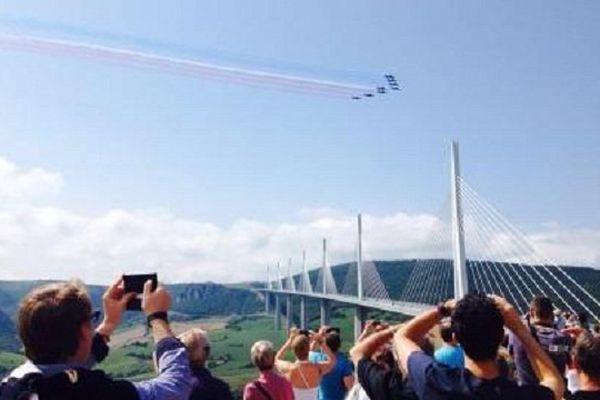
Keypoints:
pixel 135 284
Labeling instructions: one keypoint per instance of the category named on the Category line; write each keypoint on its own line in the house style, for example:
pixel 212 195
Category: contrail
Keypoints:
pixel 184 66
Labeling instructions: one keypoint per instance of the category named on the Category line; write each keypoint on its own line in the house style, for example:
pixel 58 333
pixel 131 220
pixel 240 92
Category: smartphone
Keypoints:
pixel 135 283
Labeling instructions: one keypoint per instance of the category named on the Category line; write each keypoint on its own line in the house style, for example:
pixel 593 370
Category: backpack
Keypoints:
pixel 556 344
pixel 71 384
pixel 20 388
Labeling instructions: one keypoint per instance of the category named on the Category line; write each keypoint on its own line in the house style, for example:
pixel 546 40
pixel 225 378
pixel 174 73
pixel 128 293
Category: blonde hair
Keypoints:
pixel 263 355
pixel 301 347
pixel 197 345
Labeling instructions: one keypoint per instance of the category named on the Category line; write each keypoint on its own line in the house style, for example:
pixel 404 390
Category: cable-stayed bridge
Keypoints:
pixel 471 247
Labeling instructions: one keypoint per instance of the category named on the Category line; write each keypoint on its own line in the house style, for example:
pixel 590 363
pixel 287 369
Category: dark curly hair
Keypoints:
pixel 478 326
pixel 587 355
pixel 333 340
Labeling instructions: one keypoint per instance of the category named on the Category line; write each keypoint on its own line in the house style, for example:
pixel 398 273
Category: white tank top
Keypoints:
pixel 305 393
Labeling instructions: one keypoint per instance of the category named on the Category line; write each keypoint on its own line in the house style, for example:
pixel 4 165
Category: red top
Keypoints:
pixel 278 387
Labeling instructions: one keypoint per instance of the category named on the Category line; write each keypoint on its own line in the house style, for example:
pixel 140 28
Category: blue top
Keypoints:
pixel 452 356
pixel 433 381
pixel 174 380
pixel 332 383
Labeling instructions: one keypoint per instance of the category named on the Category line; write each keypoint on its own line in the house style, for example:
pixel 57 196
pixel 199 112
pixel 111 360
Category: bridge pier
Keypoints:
pixel 359 319
pixel 325 312
pixel 267 303
pixel 303 319
pixel 289 318
pixel 277 319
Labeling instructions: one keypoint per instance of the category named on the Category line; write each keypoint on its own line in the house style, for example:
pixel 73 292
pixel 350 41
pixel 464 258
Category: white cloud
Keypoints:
pixel 49 242
pixel 19 183
pixel 569 246
pixel 46 242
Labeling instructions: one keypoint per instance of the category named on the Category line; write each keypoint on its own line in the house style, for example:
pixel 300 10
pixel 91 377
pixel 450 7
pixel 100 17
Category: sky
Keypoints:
pixel 106 168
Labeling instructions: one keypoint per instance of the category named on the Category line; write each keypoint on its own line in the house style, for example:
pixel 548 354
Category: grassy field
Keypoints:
pixel 231 341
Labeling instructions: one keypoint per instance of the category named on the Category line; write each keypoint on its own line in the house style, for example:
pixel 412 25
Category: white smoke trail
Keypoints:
pixel 181 66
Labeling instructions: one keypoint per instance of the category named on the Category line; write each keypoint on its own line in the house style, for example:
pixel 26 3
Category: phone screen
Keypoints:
pixel 135 283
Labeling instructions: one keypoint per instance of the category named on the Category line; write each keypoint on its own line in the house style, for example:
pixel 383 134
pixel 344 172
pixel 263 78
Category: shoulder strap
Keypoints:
pixel 263 390
pixel 299 369
pixel 533 331
pixel 20 388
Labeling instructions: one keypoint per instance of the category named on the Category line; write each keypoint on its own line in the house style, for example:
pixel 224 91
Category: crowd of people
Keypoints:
pixel 476 347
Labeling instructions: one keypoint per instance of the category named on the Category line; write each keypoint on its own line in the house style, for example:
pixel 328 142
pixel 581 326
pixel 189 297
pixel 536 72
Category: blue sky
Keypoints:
pixel 518 84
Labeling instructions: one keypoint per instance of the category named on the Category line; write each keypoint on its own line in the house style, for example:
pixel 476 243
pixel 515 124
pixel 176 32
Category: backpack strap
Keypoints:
pixel 263 390
pixel 20 388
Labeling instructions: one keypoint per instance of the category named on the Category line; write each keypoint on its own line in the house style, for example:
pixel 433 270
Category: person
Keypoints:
pixel 557 345
pixel 586 358
pixel 269 385
pixel 583 318
pixel 450 354
pixel 477 321
pixel 378 381
pixel 340 379
pixel 61 346
pixel 559 320
pixel 304 375
pixel 198 348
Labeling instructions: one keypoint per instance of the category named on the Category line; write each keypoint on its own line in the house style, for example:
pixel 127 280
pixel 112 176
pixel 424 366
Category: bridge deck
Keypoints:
pixel 403 307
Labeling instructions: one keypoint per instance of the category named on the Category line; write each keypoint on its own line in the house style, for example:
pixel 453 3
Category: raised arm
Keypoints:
pixel 114 301
pixel 283 349
pixel 282 365
pixel 366 331
pixel 326 365
pixel 542 365
pixel 407 338
pixel 174 380
pixel 367 347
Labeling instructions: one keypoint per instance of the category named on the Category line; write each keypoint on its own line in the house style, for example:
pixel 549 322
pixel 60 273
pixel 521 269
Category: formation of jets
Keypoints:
pixel 392 84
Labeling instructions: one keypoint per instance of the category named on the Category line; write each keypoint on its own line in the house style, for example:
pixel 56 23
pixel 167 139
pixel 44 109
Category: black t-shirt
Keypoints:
pixel 209 387
pixel 73 384
pixel 382 384
pixel 433 381
pixel 585 395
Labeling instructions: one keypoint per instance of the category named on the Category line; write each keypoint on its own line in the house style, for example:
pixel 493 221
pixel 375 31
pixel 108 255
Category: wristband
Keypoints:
pixel 157 315
pixel 99 347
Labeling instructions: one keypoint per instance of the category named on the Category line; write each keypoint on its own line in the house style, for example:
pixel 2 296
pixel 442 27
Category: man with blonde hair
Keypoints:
pixel 198 348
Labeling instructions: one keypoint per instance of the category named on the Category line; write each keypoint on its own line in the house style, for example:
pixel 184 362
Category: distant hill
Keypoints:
pixel 208 299
pixel 190 300
pixel 200 300
pixel 8 334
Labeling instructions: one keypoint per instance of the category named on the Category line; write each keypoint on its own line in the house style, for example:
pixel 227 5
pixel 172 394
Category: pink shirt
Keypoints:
pixel 278 387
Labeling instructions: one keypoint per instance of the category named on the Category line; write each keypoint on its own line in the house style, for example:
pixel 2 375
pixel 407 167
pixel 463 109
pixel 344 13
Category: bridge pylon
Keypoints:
pixel 325 305
pixel 267 294
pixel 359 312
pixel 303 287
pixel 461 283
pixel 289 318
pixel 277 320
